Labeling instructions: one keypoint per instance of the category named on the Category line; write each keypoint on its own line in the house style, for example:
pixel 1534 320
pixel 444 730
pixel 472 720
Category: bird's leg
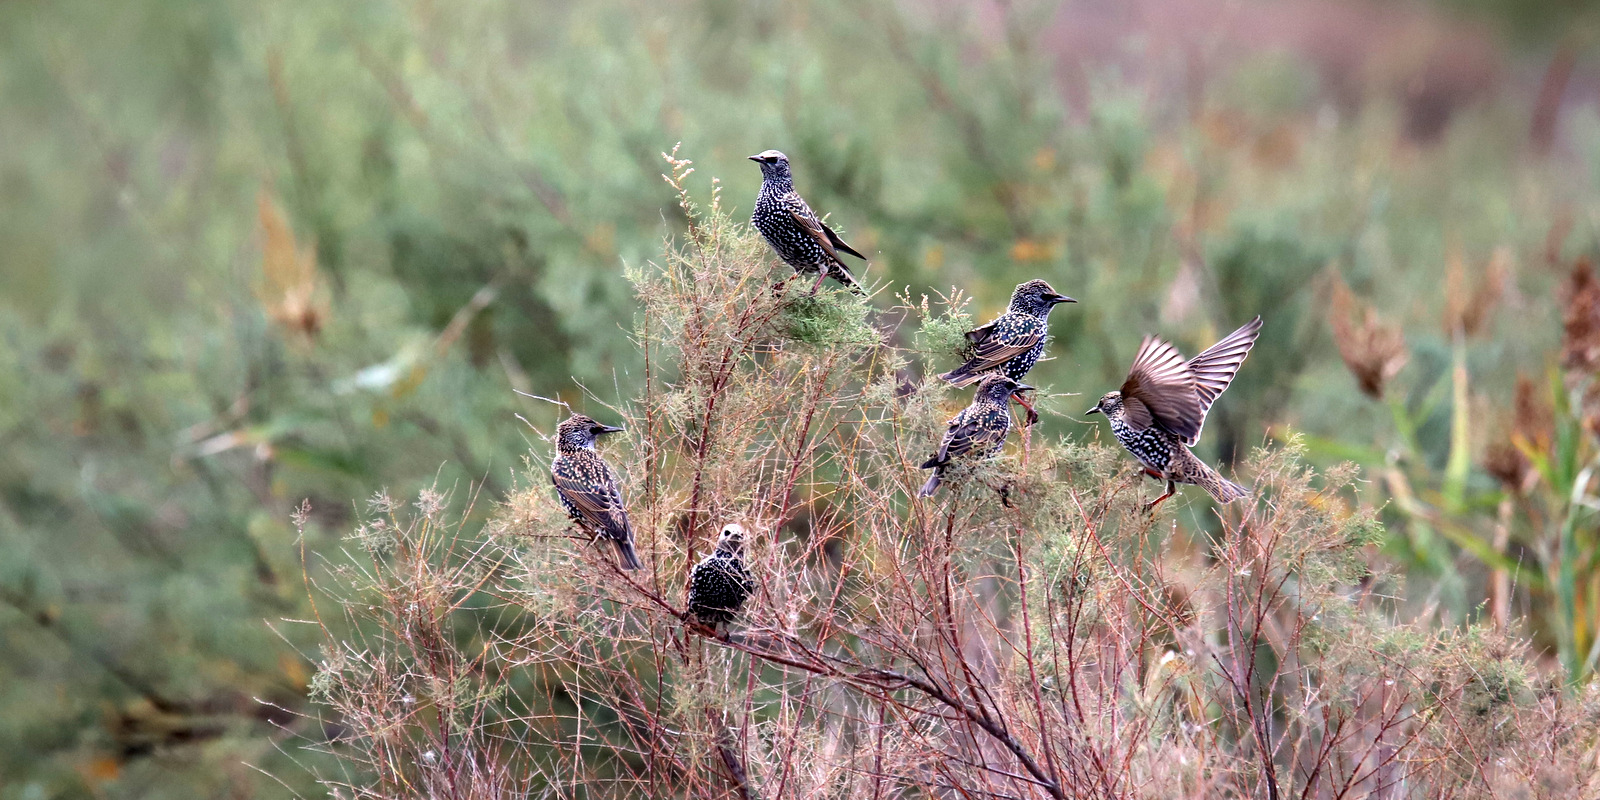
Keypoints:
pixel 777 288
pixel 821 276
pixel 1033 416
pixel 1172 489
pixel 1152 473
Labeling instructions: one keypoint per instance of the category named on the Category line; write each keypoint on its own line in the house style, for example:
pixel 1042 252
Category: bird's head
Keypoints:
pixel 774 165
pixel 578 432
pixel 1109 405
pixel 1037 298
pixel 731 542
pixel 999 388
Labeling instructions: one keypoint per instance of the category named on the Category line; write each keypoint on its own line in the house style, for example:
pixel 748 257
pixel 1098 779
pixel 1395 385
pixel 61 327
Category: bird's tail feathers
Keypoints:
pixel 843 276
pixel 931 486
pixel 1222 489
pixel 625 553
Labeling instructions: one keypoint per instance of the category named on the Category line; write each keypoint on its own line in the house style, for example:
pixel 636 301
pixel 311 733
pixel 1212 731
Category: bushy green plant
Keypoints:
pixel 1029 631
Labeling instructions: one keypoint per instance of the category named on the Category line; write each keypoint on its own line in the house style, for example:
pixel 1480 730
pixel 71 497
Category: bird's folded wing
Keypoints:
pixel 598 502
pixel 813 226
pixel 1161 389
pixel 1214 369
pixel 980 333
pixel 962 436
pixel 1001 343
pixel 839 243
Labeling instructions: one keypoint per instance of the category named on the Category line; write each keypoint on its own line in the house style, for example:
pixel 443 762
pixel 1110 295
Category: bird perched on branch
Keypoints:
pixel 587 487
pixel 1014 341
pixel 1162 406
pixel 794 230
pixel 979 431
pixel 719 584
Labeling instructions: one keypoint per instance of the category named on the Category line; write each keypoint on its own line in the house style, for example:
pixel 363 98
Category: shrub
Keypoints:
pixel 1028 632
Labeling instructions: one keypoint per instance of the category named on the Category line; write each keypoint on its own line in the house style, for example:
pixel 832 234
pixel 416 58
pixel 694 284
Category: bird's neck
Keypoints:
pixel 777 185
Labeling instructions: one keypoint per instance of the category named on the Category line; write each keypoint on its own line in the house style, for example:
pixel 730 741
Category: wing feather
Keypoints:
pixel 598 502
pixel 814 227
pixel 959 438
pixel 993 345
pixel 1161 390
pixel 838 242
pixel 1214 369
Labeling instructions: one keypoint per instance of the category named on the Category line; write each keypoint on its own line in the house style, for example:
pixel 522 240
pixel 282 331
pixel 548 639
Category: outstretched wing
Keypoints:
pixel 1161 390
pixel 1214 369
pixel 588 485
pixel 996 343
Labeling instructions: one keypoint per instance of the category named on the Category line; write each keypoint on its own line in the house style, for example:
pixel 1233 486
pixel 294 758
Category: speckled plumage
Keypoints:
pixel 588 489
pixel 1014 341
pixel 719 584
pixel 978 432
pixel 1161 409
pixel 795 232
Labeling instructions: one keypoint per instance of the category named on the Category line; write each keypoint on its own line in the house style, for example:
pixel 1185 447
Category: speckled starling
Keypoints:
pixel 1162 406
pixel 794 230
pixel 587 487
pixel 1013 342
pixel 720 583
pixel 979 431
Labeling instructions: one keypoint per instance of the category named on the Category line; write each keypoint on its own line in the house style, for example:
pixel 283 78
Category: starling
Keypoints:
pixel 1162 407
pixel 1013 342
pixel 720 583
pixel 979 430
pixel 587 487
pixel 793 229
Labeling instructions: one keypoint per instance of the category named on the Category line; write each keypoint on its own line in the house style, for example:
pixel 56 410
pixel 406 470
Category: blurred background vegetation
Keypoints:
pixel 254 253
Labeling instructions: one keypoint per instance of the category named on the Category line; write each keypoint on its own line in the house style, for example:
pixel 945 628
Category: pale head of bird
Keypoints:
pixel 578 432
pixel 731 541
pixel 774 165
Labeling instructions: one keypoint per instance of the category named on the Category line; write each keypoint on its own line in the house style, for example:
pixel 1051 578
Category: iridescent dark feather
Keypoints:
pixel 587 487
pixel 978 432
pixel 794 231
pixel 1014 341
pixel 720 583
pixel 1161 409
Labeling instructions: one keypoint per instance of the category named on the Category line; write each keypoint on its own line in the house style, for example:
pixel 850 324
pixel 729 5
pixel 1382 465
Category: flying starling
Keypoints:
pixel 979 431
pixel 720 583
pixel 793 229
pixel 587 487
pixel 1013 342
pixel 1162 407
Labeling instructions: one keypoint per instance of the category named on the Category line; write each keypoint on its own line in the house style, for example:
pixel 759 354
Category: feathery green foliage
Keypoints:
pixel 1030 631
